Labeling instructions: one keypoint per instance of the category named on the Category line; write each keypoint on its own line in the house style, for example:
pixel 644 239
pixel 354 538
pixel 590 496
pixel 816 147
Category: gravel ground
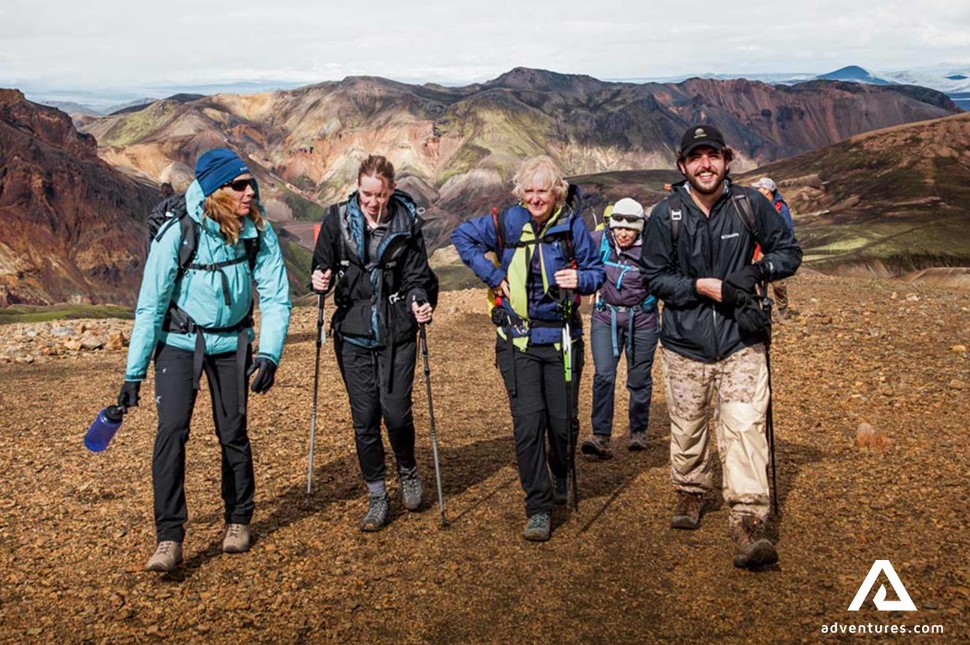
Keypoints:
pixel 76 528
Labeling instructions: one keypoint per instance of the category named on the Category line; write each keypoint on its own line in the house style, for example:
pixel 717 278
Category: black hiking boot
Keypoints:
pixel 752 548
pixel 598 447
pixel 560 490
pixel 687 514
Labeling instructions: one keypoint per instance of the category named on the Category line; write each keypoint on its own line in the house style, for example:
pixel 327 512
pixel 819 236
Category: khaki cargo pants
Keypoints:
pixel 738 386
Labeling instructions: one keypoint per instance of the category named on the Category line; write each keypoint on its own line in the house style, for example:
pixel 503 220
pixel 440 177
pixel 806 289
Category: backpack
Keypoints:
pixel 172 209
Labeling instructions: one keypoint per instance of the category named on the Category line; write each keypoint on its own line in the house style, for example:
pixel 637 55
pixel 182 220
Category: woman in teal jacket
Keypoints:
pixel 195 314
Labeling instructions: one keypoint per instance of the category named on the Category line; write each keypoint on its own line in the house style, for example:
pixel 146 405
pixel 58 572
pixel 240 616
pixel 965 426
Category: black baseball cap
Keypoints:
pixel 701 135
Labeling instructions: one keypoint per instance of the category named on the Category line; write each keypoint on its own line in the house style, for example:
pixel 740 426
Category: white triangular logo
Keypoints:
pixel 905 603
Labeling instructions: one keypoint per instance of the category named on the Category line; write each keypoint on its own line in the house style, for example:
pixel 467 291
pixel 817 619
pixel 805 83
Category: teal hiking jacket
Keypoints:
pixel 200 293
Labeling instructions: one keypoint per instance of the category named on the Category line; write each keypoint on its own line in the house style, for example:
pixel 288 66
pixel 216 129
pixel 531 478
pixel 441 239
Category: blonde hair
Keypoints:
pixel 220 207
pixel 542 167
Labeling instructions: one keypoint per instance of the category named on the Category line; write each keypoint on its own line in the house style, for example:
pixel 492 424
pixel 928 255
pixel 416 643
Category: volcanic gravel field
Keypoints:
pixel 76 528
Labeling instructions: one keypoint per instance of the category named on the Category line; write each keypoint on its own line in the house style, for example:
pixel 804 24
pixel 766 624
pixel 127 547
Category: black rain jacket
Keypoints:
pixel 710 247
pixel 373 299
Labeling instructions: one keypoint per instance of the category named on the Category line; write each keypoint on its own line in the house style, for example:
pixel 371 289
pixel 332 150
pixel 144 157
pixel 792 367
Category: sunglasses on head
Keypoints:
pixel 239 185
pixel 625 218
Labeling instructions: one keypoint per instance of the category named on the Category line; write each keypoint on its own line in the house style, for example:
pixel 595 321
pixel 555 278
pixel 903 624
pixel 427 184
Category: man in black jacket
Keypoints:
pixel 698 246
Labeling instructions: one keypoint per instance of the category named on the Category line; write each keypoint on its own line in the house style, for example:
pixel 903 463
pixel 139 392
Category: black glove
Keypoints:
pixel 265 377
pixel 742 280
pixel 128 396
pixel 749 315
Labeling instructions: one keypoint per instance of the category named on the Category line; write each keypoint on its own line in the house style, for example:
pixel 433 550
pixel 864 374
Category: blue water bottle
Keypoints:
pixel 104 428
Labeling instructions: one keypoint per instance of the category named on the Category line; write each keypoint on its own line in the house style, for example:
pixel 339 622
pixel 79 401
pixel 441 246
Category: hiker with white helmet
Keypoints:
pixel 194 315
pixel 779 288
pixel 624 320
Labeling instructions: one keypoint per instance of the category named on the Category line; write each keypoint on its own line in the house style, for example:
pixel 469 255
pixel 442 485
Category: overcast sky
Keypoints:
pixel 125 43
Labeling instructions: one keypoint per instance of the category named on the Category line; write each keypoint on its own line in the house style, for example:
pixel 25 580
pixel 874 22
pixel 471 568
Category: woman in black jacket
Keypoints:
pixel 384 288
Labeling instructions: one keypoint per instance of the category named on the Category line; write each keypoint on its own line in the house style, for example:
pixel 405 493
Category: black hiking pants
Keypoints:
pixel 539 415
pixel 175 400
pixel 379 383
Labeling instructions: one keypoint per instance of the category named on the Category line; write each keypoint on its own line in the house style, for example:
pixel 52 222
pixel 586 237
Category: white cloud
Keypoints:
pixel 119 43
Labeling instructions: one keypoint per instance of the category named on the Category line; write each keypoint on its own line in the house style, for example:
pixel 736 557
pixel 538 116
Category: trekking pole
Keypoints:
pixel 321 338
pixel 567 361
pixel 423 335
pixel 769 417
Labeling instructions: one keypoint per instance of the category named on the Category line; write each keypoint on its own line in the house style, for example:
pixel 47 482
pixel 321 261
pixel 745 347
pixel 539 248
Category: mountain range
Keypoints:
pixel 455 150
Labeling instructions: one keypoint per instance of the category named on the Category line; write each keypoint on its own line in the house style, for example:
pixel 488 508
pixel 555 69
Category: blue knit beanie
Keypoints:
pixel 216 168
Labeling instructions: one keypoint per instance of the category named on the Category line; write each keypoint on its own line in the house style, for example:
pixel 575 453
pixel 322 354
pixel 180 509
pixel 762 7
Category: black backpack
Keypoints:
pixel 171 210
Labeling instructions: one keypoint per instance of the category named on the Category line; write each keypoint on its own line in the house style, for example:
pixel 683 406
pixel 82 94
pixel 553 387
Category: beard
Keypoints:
pixel 707 188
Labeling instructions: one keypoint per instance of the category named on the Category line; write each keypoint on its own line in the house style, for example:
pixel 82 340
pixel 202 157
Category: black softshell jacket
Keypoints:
pixel 695 326
pixel 373 299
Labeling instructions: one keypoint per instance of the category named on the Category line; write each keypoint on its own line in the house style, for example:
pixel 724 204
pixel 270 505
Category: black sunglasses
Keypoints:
pixel 625 218
pixel 239 185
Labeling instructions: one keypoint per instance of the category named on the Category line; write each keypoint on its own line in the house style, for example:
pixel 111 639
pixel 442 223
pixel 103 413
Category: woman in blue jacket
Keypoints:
pixel 544 257
pixel 197 316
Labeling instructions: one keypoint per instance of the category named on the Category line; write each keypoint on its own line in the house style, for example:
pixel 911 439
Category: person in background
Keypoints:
pixel 545 257
pixel 371 252
pixel 624 320
pixel 697 258
pixel 200 319
pixel 779 288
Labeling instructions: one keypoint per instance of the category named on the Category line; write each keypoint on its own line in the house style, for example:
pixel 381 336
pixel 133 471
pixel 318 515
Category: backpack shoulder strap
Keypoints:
pixel 190 240
pixel 743 206
pixel 676 208
pixel 498 221
pixel 252 249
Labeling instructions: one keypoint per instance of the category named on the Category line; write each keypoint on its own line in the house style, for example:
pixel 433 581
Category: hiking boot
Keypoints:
pixel 598 446
pixel 752 548
pixel 637 441
pixel 376 516
pixel 168 555
pixel 560 491
pixel 687 514
pixel 538 528
pixel 411 489
pixel 236 539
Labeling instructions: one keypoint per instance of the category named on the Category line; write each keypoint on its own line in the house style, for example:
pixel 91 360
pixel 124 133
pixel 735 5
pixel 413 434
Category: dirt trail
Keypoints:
pixel 76 528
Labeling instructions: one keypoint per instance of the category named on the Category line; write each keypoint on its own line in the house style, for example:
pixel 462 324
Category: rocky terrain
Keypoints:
pixel 71 227
pixel 871 402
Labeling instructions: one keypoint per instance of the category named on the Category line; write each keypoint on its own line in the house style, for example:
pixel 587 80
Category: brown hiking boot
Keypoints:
pixel 236 539
pixel 753 548
pixel 637 441
pixel 167 556
pixel 687 514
